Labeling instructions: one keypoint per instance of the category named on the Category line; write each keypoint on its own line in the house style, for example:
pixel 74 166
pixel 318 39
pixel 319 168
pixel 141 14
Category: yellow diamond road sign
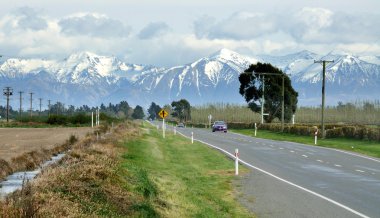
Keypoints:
pixel 163 114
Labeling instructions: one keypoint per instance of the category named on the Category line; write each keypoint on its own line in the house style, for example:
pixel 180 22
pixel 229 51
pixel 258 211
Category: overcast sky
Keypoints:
pixel 174 32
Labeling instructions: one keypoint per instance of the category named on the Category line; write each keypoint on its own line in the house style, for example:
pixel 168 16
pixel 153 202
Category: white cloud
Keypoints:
pixel 92 24
pixel 316 29
pixel 239 26
pixel 153 29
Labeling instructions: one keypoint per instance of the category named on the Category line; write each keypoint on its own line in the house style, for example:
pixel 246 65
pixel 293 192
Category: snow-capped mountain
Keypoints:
pixel 87 78
pixel 209 79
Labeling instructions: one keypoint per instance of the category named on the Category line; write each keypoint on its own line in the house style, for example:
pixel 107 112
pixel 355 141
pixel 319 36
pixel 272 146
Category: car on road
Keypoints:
pixel 219 126
pixel 180 125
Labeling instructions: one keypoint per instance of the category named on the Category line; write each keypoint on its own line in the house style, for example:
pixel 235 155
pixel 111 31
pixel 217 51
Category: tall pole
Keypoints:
pixel 39 114
pixel 262 102
pixel 20 102
pixel 283 104
pixel 31 103
pixel 49 107
pixel 323 94
pixel 8 91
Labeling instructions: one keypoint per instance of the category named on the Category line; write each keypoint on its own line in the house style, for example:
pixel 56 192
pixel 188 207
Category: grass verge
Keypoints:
pixel 129 174
pixel 369 148
pixel 180 179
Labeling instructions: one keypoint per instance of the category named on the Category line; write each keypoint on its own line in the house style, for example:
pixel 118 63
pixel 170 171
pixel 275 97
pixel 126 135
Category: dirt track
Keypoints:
pixel 16 141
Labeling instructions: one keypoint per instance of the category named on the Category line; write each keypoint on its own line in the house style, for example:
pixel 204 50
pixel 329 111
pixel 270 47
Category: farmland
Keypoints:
pixel 359 112
pixel 16 141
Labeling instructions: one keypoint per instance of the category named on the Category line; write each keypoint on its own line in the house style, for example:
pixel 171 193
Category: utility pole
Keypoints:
pixel 282 100
pixel 323 62
pixel 57 107
pixel 39 114
pixel 20 102
pixel 49 107
pixel 8 91
pixel 31 104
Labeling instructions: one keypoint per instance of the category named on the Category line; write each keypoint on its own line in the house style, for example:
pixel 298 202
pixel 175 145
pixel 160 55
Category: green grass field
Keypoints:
pixel 369 148
pixel 181 179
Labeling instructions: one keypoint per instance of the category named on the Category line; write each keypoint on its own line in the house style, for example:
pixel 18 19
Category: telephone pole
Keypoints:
pixel 8 91
pixel 323 62
pixel 31 103
pixel 49 108
pixel 39 114
pixel 20 92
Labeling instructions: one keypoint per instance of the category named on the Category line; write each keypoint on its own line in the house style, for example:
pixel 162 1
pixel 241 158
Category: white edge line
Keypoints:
pixel 346 152
pixel 283 180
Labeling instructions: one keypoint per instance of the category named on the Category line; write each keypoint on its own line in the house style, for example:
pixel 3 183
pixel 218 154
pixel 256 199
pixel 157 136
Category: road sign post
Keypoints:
pixel 163 128
pixel 163 114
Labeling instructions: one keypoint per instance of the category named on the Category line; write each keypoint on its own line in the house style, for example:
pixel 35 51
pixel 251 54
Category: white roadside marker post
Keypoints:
pixel 175 131
pixel 255 129
pixel 192 137
pixel 315 137
pixel 236 162
pixel 163 128
pixel 92 119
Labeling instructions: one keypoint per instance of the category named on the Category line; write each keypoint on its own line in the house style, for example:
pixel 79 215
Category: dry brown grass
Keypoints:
pixel 26 149
pixel 87 182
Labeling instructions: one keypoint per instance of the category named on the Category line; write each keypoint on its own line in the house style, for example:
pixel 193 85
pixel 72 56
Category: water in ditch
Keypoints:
pixel 15 181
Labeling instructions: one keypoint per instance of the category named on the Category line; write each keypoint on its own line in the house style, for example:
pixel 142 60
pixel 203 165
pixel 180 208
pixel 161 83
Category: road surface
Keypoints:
pixel 295 180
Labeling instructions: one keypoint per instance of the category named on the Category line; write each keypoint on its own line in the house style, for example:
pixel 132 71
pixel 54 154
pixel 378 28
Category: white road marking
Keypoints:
pixel 304 155
pixel 292 151
pixel 346 152
pixel 281 148
pixel 283 180
pixel 360 171
pixel 337 165
pixel 271 146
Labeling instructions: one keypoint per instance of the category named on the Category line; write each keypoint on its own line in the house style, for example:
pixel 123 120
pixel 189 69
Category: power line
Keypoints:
pixel 39 114
pixel 31 103
pixel 8 91
pixel 49 107
pixel 20 92
pixel 323 62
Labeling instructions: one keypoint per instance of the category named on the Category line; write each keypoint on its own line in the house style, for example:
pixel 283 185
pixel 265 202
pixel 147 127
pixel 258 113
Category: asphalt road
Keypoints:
pixel 295 180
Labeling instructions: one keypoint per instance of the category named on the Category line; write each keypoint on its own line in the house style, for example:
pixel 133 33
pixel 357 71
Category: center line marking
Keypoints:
pixel 281 148
pixel 304 155
pixel 283 180
pixel 360 171
pixel 292 151
pixel 337 165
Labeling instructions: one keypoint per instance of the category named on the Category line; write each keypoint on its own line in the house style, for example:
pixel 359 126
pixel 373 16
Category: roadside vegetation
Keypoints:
pixel 370 148
pixel 359 112
pixel 131 172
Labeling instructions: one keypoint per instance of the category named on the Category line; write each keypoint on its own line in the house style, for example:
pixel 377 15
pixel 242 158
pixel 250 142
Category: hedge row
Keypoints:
pixel 332 130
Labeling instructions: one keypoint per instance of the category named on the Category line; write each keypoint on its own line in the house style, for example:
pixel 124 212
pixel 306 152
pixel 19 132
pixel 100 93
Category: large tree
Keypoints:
pixel 181 110
pixel 153 111
pixel 138 112
pixel 251 83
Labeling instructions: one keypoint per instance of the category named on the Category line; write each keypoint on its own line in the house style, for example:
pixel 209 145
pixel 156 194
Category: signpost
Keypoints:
pixel 163 114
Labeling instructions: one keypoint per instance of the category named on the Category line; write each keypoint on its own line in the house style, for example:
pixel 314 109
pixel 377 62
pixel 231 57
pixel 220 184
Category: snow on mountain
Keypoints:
pixel 88 78
pixel 213 78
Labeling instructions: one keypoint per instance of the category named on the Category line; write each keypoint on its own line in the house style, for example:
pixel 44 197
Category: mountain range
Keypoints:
pixel 91 79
